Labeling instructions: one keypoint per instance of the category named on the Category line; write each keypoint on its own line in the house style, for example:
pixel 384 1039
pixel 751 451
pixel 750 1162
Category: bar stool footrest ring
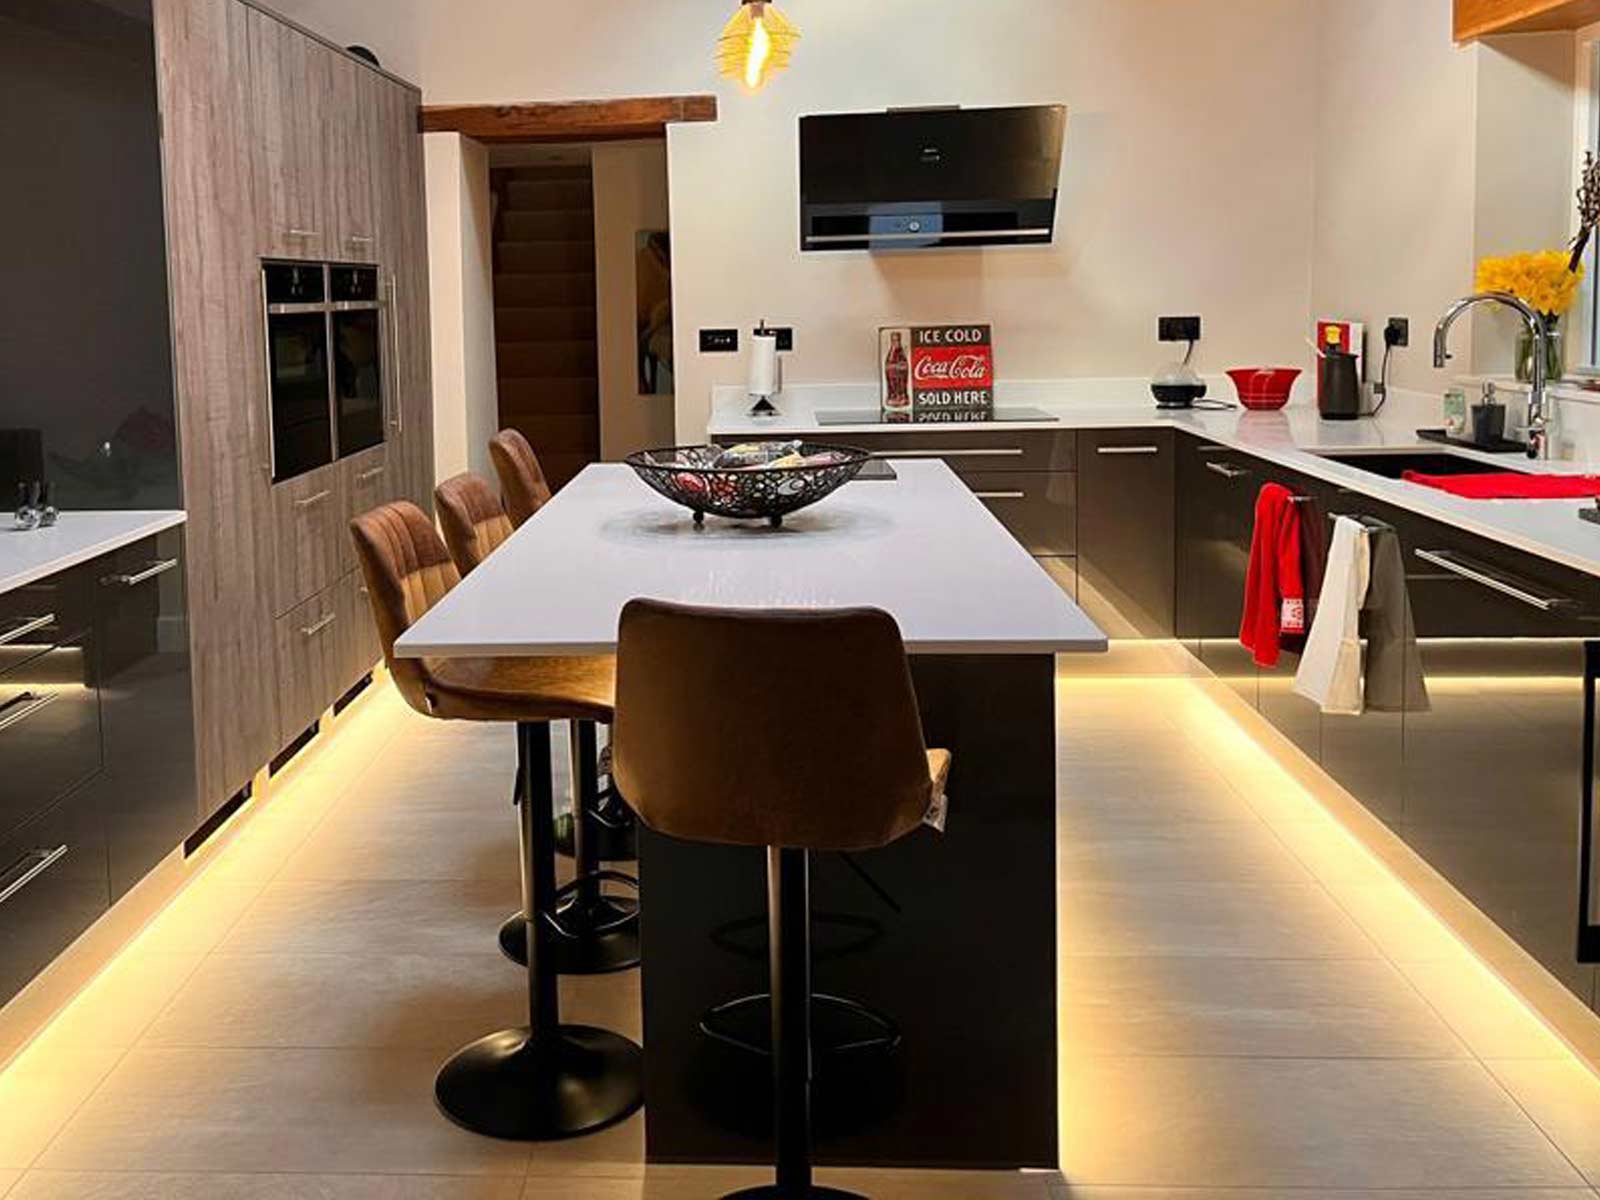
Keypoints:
pixel 840 1026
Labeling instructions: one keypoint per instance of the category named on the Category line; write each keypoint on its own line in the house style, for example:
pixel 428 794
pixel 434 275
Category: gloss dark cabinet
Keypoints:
pixel 147 790
pixel 96 744
pixel 1127 557
pixel 1216 493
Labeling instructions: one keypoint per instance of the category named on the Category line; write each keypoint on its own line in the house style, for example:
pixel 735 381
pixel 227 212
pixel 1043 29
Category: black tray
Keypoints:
pixel 1498 446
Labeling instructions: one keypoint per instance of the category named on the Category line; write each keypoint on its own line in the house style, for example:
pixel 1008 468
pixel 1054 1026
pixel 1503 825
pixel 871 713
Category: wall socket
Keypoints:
pixel 1397 331
pixel 785 336
pixel 1178 329
pixel 719 341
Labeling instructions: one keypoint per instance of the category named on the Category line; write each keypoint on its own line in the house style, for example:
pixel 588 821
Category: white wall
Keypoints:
pixel 1429 156
pixel 630 196
pixel 466 404
pixel 1186 185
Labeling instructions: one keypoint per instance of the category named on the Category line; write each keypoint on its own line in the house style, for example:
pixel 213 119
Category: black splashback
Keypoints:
pixel 85 335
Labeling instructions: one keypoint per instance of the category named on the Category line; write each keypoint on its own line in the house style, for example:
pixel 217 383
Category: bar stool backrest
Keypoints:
pixel 795 729
pixel 408 570
pixel 522 481
pixel 473 522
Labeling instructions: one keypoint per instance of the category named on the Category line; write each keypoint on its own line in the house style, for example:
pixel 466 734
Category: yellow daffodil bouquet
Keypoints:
pixel 1541 279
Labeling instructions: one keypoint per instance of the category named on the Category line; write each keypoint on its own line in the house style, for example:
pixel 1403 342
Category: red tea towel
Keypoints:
pixel 1274 590
pixel 1508 485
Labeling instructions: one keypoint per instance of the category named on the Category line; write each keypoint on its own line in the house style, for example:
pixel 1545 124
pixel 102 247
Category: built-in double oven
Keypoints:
pixel 326 354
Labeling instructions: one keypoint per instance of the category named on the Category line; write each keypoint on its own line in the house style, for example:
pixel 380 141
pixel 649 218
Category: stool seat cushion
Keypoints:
pixel 522 689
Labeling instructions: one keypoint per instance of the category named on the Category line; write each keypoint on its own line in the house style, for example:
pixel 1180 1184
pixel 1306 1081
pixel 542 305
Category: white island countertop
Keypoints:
pixel 76 537
pixel 1294 437
pixel 920 546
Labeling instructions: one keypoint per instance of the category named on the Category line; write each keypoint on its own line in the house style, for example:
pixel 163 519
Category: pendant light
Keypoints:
pixel 756 44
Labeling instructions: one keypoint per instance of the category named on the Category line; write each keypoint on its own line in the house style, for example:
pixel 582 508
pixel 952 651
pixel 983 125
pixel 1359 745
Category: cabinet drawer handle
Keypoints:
pixel 22 706
pixel 29 625
pixel 361 239
pixel 1486 577
pixel 370 474
pixel 971 452
pixel 28 868
pixel 1001 495
pixel 302 233
pixel 1226 471
pixel 1127 449
pixel 312 630
pixel 308 501
pixel 138 577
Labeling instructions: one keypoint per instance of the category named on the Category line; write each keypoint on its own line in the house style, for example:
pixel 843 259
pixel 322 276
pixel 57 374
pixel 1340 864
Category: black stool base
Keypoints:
pixel 839 1026
pixel 508 1085
pixel 614 842
pixel 614 948
pixel 772 1191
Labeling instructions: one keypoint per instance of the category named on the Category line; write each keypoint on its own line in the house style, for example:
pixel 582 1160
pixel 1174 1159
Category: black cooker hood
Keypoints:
pixel 919 178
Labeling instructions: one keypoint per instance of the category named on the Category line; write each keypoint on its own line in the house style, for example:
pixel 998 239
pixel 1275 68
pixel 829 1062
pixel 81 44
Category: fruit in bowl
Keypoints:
pixel 1264 388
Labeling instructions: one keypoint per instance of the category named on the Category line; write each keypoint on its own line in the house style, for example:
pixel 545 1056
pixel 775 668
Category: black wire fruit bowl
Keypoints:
pixel 753 481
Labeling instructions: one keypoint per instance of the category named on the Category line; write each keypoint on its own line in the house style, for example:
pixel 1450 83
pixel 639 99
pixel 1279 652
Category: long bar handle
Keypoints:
pixel 970 452
pixel 28 868
pixel 301 233
pixel 31 625
pixel 1484 576
pixel 1001 495
pixel 31 703
pixel 397 420
pixel 308 501
pixel 1226 471
pixel 370 474
pixel 1127 449
pixel 313 630
pixel 138 577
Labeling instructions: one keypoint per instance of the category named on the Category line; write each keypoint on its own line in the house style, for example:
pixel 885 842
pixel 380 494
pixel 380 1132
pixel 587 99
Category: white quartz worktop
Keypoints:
pixel 29 555
pixel 1293 438
pixel 920 546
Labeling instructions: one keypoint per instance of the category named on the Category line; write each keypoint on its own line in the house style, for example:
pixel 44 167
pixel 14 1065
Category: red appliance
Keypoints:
pixel 1264 388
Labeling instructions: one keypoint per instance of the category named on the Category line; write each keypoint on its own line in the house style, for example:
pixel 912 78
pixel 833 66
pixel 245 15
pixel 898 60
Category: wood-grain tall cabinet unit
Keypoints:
pixel 280 146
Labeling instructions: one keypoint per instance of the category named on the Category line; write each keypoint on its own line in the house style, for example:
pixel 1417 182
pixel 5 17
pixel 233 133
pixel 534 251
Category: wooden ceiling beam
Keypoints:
pixel 568 120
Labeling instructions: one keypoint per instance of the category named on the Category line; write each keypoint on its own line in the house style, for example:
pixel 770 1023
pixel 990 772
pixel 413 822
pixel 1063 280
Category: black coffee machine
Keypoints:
pixel 1339 396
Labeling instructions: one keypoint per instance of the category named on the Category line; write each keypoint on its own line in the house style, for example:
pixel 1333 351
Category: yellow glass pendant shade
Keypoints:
pixel 756 44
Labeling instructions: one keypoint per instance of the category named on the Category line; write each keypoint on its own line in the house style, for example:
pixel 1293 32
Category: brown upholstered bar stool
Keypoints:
pixel 544 1080
pixel 605 927
pixel 522 481
pixel 471 518
pixel 828 757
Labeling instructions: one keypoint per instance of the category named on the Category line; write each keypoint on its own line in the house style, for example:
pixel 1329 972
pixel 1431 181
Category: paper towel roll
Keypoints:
pixel 764 376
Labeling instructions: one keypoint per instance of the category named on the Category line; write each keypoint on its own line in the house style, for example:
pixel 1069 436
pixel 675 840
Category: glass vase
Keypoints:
pixel 1555 358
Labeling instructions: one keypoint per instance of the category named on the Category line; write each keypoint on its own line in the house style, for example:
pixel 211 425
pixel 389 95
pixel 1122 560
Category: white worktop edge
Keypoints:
pixel 76 538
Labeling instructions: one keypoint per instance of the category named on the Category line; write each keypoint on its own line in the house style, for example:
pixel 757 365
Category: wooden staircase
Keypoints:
pixel 544 315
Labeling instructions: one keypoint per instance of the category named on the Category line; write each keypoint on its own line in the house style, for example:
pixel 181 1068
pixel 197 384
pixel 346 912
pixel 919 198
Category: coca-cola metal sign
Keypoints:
pixel 937 372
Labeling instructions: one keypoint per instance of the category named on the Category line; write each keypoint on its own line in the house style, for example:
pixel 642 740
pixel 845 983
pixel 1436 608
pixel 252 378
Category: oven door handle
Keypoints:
pixel 391 386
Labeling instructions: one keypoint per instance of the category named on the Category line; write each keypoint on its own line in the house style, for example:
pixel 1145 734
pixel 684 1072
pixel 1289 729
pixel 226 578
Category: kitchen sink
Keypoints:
pixel 1393 463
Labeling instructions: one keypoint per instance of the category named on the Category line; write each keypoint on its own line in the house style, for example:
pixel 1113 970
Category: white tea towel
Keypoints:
pixel 1330 667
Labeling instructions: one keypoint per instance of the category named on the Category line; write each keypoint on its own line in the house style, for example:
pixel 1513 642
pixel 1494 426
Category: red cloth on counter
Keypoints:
pixel 1274 590
pixel 1508 485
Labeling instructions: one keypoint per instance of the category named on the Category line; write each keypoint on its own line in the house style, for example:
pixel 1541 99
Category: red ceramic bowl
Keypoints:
pixel 1264 388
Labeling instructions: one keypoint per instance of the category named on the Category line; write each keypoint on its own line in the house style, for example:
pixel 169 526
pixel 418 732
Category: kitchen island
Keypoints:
pixel 919 931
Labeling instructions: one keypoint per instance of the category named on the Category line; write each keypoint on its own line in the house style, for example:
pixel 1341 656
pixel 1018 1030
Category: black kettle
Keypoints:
pixel 1339 396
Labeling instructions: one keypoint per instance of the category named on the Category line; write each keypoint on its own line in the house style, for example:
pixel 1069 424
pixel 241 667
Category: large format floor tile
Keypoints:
pixel 1564 1098
pixel 1263 1008
pixel 265 1111
pixel 1210 1193
pixel 1214 920
pixel 1298 1123
pixel 80 1185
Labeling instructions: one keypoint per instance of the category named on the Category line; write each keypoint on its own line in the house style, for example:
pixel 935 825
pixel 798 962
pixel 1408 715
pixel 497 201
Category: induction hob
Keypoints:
pixel 877 416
